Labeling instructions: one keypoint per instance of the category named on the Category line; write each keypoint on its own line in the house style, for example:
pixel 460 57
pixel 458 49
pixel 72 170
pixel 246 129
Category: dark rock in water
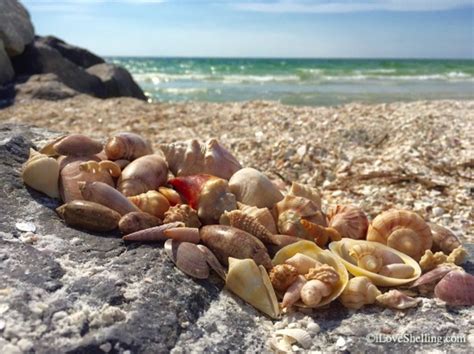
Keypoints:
pixel 44 87
pixel 16 29
pixel 117 81
pixel 63 290
pixel 79 56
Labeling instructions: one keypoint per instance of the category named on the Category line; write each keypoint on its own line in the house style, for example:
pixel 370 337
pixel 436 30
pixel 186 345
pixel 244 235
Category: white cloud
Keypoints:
pixel 341 6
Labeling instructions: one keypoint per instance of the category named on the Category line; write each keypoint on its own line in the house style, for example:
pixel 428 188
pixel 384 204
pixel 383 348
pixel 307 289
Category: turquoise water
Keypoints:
pixel 301 81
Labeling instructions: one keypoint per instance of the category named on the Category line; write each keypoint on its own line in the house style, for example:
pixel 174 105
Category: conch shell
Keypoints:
pixel 209 195
pixel 146 173
pixel 252 284
pixel 183 213
pixel 191 157
pixel 350 221
pixel 151 202
pixel 301 190
pixel 359 292
pixel 41 173
pixel 443 239
pixel 321 257
pixel 403 230
pixel 240 220
pixel 263 216
pixel 77 145
pixel 127 146
pixel 389 256
pixel 253 188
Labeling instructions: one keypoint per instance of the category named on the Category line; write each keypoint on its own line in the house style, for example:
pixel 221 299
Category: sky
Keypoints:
pixel 262 28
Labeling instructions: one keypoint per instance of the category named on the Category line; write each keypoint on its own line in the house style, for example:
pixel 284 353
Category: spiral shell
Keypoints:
pixel 359 292
pixel 282 276
pixel 183 213
pixel 95 167
pixel 186 158
pixel 321 235
pixel 253 188
pixel 151 202
pixel 324 273
pixel 41 173
pixel 443 239
pixel 77 145
pixel 350 221
pixel 263 216
pixel 302 263
pixel 146 173
pixel 301 190
pixel 127 146
pixel 402 230
pixel 240 220
pixel 367 257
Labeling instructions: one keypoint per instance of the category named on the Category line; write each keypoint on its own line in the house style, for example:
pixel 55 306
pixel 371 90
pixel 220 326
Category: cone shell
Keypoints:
pixel 359 291
pixel 191 157
pixel 41 173
pixel 252 284
pixel 340 249
pixel 443 239
pixel 253 188
pixel 146 173
pixel 151 202
pixel 350 221
pixel 77 145
pixel 310 249
pixel 127 146
pixel 403 230
pixel 263 216
pixel 136 221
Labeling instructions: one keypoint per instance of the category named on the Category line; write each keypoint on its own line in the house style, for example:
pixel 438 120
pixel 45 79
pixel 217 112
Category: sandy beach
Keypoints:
pixel 417 155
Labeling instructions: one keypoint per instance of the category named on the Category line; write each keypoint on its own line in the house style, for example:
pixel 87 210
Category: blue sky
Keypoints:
pixel 262 28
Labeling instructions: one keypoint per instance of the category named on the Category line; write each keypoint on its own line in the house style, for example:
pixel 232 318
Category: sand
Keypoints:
pixel 417 156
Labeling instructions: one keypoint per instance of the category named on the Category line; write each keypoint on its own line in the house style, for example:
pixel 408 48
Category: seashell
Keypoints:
pixel 127 146
pixel 314 291
pixel 324 273
pixel 263 216
pixel 240 220
pixel 172 196
pixel 253 188
pixel 397 270
pixel 187 158
pixel 183 234
pixel 293 293
pixel 48 148
pixel 77 145
pixel 252 284
pixel 146 173
pixel 122 163
pixel 350 221
pixel 136 221
pixel 456 288
pixel 398 300
pixel 320 234
pixel 431 260
pixel 300 190
pixel 106 195
pixel 434 275
pixel 340 250
pixel 226 241
pixel 152 234
pixel 188 258
pixel 368 256
pixel 443 239
pixel 302 262
pixel 457 256
pixel 183 213
pixel 212 261
pixel 294 335
pixel 41 173
pixel 66 160
pixel 403 230
pixel 71 176
pixel 105 165
pixel 311 250
pixel 209 195
pixel 359 292
pixel 284 240
pixel 151 202
pixel 282 276
pixel 89 216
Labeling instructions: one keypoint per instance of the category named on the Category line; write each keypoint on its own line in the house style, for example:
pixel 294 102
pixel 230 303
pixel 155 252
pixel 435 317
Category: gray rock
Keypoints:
pixel 77 55
pixel 117 81
pixel 71 291
pixel 44 87
pixel 16 29
pixel 6 68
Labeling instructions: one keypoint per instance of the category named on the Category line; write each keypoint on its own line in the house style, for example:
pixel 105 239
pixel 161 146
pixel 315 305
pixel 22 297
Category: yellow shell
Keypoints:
pixel 252 284
pixel 41 173
pixel 340 249
pixel 310 249
pixel 151 202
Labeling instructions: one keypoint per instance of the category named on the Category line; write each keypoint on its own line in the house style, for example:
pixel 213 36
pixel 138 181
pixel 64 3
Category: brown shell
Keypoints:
pixel 240 220
pixel 301 190
pixel 77 145
pixel 350 221
pixel 151 202
pixel 188 258
pixel 443 239
pixel 183 213
pixel 263 216
pixel 282 276
pixel 136 221
pixel 127 146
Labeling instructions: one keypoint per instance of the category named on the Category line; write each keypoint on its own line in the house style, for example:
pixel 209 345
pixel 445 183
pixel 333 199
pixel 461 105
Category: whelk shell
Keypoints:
pixel 127 146
pixel 41 173
pixel 252 284
pixel 282 276
pixel 240 220
pixel 359 292
pixel 263 216
pixel 151 202
pixel 77 145
pixel 350 221
pixel 183 213
pixel 403 230
pixel 136 221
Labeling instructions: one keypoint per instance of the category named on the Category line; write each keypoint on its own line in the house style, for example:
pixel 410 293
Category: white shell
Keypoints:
pixel 298 335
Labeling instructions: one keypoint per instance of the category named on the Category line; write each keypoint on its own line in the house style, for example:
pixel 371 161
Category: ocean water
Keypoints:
pixel 301 81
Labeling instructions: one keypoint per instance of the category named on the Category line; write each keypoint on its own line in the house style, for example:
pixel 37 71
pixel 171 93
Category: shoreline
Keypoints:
pixel 414 155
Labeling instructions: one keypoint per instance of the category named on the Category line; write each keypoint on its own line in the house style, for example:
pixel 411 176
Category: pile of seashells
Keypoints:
pixel 212 214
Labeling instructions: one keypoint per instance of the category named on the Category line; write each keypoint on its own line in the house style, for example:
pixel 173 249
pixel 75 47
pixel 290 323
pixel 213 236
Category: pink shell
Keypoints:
pixel 456 288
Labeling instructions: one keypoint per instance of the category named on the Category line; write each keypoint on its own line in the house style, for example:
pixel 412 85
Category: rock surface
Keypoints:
pixel 64 290
pixel 6 69
pixel 44 87
pixel 16 29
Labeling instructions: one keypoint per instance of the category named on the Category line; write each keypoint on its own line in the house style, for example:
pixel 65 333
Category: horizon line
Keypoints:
pixel 280 58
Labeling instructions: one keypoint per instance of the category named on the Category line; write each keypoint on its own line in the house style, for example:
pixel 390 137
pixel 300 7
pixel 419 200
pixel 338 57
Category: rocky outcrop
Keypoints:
pixel 43 87
pixel 16 29
pixel 117 81
pixel 6 69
